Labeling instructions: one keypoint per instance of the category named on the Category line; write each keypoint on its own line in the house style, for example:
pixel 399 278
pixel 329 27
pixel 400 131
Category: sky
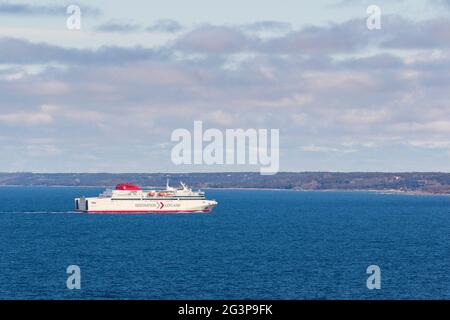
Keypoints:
pixel 107 97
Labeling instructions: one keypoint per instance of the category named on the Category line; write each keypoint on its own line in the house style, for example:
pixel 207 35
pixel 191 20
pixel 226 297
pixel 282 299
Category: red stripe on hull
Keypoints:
pixel 147 211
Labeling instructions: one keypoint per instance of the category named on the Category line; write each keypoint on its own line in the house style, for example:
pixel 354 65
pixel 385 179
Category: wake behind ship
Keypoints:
pixel 129 198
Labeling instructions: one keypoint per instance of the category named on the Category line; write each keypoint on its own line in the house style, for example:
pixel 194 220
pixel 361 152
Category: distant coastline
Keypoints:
pixel 390 192
pixel 399 192
pixel 417 183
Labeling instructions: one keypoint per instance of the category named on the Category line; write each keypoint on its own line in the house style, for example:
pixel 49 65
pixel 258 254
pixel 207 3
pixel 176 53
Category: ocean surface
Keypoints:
pixel 255 245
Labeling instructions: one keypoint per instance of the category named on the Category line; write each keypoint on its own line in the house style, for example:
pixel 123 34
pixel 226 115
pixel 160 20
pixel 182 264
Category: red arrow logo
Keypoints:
pixel 162 205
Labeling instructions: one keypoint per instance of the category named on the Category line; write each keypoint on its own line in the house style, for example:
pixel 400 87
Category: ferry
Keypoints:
pixel 129 198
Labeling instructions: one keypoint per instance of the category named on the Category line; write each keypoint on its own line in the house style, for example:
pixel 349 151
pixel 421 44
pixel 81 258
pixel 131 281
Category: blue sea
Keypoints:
pixel 255 245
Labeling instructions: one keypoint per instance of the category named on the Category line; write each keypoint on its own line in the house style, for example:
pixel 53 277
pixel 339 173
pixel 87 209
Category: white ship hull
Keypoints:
pixel 129 198
pixel 108 205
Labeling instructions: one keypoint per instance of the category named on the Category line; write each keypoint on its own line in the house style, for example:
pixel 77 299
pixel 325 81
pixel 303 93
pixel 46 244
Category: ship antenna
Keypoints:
pixel 185 187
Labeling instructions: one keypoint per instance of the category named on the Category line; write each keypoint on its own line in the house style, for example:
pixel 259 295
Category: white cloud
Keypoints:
pixel 32 118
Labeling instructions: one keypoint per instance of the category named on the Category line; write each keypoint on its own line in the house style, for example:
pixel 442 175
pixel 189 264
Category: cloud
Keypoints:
pixel 444 3
pixel 334 38
pixel 214 39
pixel 26 118
pixel 316 42
pixel 117 26
pixel 165 25
pixel 8 8
pixel 404 34
pixel 267 25
pixel 20 51
pixel 376 61
pixel 333 89
pixel 325 149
